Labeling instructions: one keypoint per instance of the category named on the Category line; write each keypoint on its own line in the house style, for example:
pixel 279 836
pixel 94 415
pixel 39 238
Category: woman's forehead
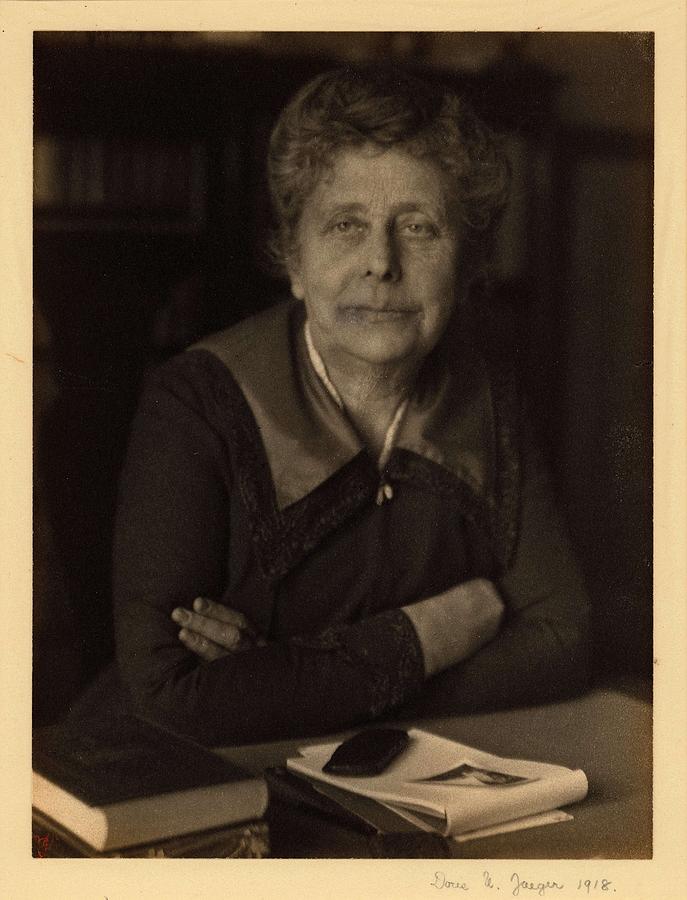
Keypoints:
pixel 363 175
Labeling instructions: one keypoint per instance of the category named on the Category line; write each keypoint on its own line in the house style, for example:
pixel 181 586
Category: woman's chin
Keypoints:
pixel 386 350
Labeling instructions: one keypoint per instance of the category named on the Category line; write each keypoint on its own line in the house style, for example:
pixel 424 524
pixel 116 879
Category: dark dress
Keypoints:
pixel 245 482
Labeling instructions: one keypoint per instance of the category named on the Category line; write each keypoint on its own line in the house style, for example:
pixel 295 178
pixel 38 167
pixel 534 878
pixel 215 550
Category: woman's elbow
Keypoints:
pixel 172 701
pixel 572 659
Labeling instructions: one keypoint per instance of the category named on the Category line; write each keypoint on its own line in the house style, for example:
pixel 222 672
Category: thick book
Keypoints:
pixel 120 781
pixel 450 788
pixel 247 840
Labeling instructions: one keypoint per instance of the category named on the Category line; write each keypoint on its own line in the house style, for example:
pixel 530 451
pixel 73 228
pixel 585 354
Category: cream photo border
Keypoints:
pixel 664 876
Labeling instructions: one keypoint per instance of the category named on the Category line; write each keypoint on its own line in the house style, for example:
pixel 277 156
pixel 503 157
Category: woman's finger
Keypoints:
pixel 222 613
pixel 222 633
pixel 206 649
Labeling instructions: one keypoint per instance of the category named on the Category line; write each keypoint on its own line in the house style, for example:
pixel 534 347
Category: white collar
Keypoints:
pixel 321 370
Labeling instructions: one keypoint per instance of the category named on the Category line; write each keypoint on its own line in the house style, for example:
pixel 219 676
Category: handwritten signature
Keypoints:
pixel 441 881
pixel 519 886
pixel 541 887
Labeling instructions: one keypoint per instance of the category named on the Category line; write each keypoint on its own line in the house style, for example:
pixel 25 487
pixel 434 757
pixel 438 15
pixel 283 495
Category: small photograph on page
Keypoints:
pixel 466 774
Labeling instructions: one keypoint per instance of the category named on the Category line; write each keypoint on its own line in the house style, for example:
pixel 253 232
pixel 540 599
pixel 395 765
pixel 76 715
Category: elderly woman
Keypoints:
pixel 333 511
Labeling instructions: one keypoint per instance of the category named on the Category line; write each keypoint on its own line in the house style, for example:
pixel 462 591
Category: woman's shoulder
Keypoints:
pixel 251 349
pixel 258 338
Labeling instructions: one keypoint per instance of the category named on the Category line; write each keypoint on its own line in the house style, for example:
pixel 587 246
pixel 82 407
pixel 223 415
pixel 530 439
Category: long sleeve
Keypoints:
pixel 541 651
pixel 171 545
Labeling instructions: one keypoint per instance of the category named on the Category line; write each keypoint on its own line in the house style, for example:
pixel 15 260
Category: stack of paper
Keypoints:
pixel 440 785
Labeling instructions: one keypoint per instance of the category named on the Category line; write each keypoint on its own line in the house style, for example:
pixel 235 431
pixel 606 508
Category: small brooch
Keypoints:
pixel 384 492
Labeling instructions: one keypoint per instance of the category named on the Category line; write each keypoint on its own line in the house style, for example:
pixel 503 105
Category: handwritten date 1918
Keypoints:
pixel 599 884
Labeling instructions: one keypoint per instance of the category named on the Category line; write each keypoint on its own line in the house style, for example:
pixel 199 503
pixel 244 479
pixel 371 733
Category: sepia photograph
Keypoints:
pixel 344 361
pixel 342 444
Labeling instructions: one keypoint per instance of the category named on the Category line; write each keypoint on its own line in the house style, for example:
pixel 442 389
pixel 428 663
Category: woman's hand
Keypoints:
pixel 454 625
pixel 213 630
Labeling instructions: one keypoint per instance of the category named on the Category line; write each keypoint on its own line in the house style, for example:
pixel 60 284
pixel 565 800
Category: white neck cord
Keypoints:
pixel 319 367
pixel 385 490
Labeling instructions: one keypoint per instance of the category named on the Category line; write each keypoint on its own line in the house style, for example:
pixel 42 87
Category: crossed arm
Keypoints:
pixel 450 627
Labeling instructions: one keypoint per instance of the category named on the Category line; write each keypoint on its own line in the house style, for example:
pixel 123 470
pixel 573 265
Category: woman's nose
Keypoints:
pixel 382 258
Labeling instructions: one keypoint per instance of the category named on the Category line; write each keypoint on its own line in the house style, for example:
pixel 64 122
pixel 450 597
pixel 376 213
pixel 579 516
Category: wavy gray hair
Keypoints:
pixel 352 107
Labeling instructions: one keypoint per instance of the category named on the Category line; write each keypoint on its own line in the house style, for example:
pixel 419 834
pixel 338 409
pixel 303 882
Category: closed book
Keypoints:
pixel 247 840
pixel 120 781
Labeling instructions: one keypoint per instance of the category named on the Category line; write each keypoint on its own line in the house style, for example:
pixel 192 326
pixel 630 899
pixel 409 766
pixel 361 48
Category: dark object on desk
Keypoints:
pixel 119 782
pixel 369 752
pixel 381 833
pixel 285 787
pixel 360 813
pixel 421 845
pixel 248 840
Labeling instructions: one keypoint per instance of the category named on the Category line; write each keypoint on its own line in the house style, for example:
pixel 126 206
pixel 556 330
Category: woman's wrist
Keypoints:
pixel 454 625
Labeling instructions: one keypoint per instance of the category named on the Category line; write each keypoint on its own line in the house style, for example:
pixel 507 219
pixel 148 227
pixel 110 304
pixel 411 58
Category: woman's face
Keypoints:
pixel 377 251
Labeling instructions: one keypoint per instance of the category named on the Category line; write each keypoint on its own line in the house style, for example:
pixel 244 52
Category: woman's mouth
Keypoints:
pixel 361 313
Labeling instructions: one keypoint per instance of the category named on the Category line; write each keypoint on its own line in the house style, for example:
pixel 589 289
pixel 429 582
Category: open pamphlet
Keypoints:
pixel 440 785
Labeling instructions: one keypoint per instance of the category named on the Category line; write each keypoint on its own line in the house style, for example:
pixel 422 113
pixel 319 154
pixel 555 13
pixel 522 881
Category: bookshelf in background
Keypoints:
pixel 89 182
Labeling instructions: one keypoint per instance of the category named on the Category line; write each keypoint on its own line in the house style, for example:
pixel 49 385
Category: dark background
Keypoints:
pixel 151 210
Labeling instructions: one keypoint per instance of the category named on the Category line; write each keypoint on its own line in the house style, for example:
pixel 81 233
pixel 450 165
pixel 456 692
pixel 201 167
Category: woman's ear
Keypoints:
pixel 294 273
pixel 296 285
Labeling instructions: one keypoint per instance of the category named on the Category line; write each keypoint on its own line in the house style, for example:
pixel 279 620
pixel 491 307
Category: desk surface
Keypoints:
pixel 607 733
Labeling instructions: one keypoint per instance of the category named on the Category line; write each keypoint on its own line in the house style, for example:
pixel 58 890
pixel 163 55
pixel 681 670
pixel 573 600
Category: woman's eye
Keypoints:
pixel 419 229
pixel 346 226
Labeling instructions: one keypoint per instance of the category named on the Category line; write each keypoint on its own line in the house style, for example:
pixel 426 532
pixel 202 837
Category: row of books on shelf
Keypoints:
pixel 126 787
pixel 94 173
